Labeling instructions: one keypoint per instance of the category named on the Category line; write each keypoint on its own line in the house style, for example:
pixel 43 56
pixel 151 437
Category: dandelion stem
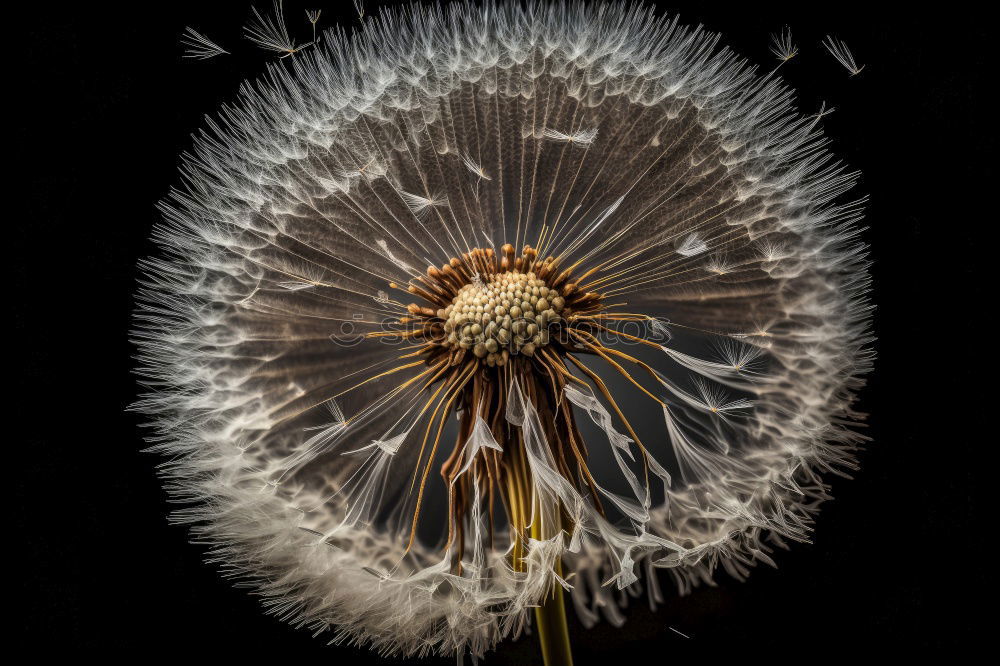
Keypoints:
pixel 553 632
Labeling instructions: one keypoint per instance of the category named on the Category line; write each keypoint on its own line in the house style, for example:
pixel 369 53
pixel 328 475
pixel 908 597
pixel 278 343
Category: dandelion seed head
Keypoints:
pixel 838 49
pixel 513 313
pixel 200 47
pixel 782 46
pixel 406 345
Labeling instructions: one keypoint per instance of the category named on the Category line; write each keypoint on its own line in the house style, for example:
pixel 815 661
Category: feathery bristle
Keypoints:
pixel 196 45
pixel 782 46
pixel 271 32
pixel 842 54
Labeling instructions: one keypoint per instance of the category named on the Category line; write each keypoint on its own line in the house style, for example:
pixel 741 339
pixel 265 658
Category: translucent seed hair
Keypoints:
pixel 483 305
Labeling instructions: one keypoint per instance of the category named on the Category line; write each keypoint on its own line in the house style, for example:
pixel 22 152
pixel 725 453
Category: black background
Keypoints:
pixel 105 106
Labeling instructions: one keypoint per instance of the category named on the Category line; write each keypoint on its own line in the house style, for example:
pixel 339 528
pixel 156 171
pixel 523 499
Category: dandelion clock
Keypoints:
pixel 487 314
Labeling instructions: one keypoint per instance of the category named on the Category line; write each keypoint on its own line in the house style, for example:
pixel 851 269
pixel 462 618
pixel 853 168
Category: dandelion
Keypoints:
pixel 690 245
pixel 312 15
pixel 842 54
pixel 580 138
pixel 823 112
pixel 715 399
pixel 355 171
pixel 738 356
pixel 197 45
pixel 770 250
pixel 782 46
pixel 419 376
pixel 419 205
pixel 271 33
pixel 719 264
pixel 475 167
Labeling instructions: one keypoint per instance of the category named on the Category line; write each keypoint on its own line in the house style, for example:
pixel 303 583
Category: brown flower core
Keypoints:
pixel 503 314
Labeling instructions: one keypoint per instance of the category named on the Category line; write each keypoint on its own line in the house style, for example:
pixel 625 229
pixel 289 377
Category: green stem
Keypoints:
pixel 553 632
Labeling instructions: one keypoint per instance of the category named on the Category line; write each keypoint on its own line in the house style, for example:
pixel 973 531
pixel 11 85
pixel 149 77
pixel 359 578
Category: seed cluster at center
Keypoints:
pixel 509 313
